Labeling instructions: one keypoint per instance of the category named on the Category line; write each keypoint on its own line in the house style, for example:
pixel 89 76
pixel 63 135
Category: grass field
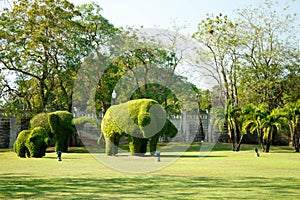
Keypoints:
pixel 222 174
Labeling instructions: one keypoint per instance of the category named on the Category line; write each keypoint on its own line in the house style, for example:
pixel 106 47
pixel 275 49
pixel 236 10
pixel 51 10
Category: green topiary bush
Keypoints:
pixel 141 120
pixel 61 126
pixel 32 143
pixel 37 142
pixel 20 144
pixel 168 130
pixel 40 120
pixel 81 121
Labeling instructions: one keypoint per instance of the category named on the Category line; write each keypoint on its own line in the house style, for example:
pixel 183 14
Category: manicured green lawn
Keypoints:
pixel 222 174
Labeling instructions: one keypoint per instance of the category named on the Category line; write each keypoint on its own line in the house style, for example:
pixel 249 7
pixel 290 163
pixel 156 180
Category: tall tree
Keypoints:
pixel 268 49
pixel 219 35
pixel 42 44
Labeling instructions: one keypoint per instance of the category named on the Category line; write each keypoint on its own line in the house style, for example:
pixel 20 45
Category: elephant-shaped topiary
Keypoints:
pixel 32 143
pixel 59 126
pixel 141 121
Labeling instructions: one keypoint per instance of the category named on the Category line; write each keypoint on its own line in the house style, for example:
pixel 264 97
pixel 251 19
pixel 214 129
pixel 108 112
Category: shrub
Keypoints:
pixel 19 145
pixel 37 142
pixel 134 120
pixel 169 130
pixel 61 127
pixel 32 143
pixel 81 121
pixel 40 120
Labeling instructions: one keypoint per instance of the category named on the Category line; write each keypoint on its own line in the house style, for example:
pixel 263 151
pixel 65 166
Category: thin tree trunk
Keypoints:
pixel 231 137
pixel 261 141
pixel 239 144
pixel 297 139
pixel 200 125
pixel 269 141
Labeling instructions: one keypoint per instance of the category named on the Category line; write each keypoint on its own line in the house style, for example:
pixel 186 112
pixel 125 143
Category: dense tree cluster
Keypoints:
pixel 254 60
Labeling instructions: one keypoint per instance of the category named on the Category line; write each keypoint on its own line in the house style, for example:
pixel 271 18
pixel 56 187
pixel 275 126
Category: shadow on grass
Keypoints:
pixel 146 187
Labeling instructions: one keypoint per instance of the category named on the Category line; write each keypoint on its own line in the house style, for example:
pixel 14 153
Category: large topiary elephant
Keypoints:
pixel 141 121
pixel 32 143
pixel 59 126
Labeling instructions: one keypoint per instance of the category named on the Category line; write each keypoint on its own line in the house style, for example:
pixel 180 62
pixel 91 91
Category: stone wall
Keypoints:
pixel 4 132
pixel 188 124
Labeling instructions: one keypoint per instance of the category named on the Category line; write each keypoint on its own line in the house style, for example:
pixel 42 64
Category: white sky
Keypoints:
pixel 161 13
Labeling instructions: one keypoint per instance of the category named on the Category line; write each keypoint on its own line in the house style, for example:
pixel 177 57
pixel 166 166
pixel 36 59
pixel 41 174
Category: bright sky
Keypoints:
pixel 150 13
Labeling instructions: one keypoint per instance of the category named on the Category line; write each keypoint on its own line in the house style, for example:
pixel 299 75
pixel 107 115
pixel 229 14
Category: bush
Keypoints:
pixel 81 121
pixel 133 119
pixel 169 130
pixel 19 145
pixel 40 120
pixel 37 142
pixel 61 126
pixel 32 143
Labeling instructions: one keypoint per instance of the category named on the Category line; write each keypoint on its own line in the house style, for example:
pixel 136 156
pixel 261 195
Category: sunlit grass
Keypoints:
pixel 222 174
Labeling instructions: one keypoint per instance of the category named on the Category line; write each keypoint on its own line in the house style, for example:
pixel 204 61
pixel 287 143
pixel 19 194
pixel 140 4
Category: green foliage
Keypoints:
pixel 32 143
pixel 37 142
pixel 135 145
pixel 19 145
pixel 266 123
pixel 61 126
pixel 47 40
pixel 40 120
pixel 80 121
pixel 141 120
pixel 291 112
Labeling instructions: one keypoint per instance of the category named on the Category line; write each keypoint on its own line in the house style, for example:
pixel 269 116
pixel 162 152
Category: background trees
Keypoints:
pixel 252 59
pixel 292 115
pixel 268 51
pixel 42 44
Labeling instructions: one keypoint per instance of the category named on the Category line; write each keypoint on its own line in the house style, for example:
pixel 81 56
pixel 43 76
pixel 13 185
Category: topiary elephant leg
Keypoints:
pixel 116 141
pixel 135 144
pixel 143 148
pixel 153 144
pixel 108 146
pixel 112 144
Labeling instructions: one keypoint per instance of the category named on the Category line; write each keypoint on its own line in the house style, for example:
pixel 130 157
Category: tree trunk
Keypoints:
pixel 261 141
pixel 268 147
pixel 237 135
pixel 296 139
pixel 297 145
pixel 269 141
pixel 200 125
pixel 239 144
